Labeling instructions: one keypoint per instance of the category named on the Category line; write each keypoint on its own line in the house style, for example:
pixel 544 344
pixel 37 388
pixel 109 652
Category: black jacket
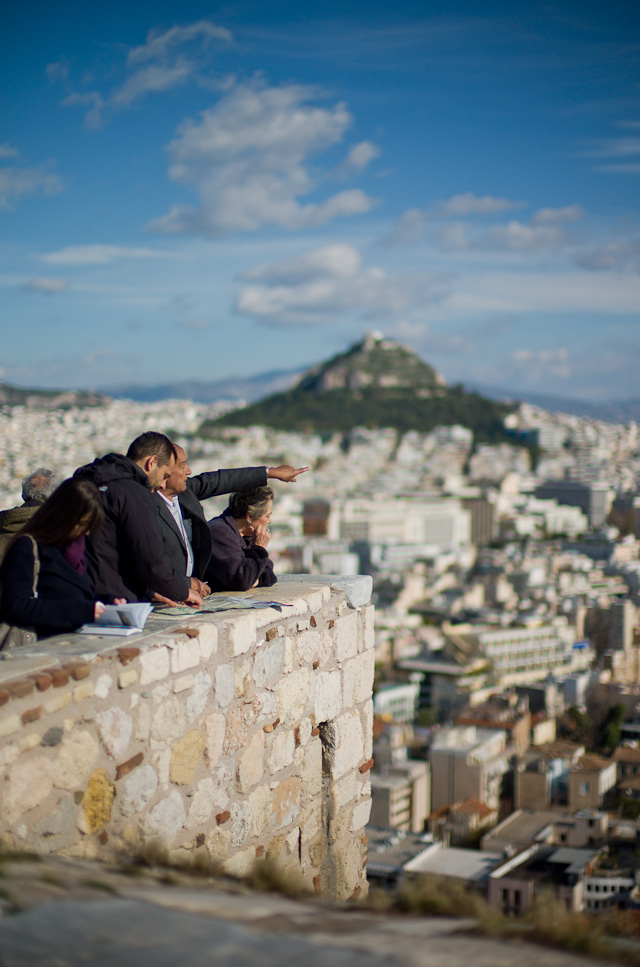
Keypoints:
pixel 199 488
pixel 65 599
pixel 236 563
pixel 127 556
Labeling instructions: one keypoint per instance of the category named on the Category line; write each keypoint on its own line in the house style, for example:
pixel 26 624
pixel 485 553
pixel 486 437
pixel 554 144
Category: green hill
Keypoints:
pixel 376 383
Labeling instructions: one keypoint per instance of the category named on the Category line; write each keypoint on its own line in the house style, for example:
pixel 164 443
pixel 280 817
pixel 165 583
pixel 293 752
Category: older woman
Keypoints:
pixel 240 539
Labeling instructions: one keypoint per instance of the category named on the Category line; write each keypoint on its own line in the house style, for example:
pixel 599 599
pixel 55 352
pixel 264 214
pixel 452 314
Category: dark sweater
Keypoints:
pixel 235 562
pixel 65 599
pixel 126 557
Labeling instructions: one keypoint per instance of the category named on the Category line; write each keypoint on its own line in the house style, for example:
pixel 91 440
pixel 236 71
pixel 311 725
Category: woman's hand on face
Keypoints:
pixel 261 535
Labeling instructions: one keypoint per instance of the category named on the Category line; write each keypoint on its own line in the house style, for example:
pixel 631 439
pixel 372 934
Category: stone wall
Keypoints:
pixel 238 736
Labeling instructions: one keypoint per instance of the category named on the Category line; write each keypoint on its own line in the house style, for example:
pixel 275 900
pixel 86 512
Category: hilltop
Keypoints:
pixel 375 383
pixel 49 399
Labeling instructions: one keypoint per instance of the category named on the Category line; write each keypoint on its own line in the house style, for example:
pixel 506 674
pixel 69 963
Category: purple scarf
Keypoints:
pixel 74 554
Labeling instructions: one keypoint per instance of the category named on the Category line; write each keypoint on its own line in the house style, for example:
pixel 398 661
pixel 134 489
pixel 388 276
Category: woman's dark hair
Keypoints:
pixel 75 501
pixel 251 502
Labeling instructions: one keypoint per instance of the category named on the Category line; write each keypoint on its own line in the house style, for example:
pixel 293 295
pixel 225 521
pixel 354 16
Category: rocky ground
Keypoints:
pixel 60 912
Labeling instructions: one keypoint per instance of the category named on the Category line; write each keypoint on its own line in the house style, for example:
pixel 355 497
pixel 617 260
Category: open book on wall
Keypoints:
pixel 119 619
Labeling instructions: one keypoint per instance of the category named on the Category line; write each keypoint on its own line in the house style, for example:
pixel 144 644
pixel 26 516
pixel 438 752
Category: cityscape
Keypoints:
pixel 506 582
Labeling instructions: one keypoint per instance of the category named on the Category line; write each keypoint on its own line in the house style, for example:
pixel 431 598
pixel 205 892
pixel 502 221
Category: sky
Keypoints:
pixel 193 191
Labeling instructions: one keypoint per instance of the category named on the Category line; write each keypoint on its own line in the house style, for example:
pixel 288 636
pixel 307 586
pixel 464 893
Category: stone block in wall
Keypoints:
pixel 199 696
pixel 115 728
pixel 137 791
pixel 358 675
pixel 310 768
pixel 214 728
pixel 286 803
pixel 347 636
pixel 154 665
pixel 185 758
pixel 344 790
pixel 201 803
pixel 96 802
pixel 267 664
pixel 240 634
pixel 251 763
pixel 291 696
pixel 168 721
pixel 327 695
pixel 166 819
pixel 361 815
pixel 224 685
pixel 367 727
pixel 185 654
pixel 74 763
pixel 25 787
pixel 367 637
pixel 344 743
pixel 208 639
pixel 240 822
pixel 281 752
pixel 260 804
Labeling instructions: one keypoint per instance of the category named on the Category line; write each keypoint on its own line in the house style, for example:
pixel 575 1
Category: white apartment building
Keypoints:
pixel 467 762
pixel 437 523
pixel 398 702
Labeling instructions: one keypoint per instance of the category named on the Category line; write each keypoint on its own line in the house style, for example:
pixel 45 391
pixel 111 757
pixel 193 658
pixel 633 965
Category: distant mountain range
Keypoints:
pixel 252 389
pixel 240 388
pixel 613 411
pixel 49 399
pixel 376 383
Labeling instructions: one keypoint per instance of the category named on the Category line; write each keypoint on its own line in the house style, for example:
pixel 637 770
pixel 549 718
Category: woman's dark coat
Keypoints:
pixel 236 564
pixel 65 598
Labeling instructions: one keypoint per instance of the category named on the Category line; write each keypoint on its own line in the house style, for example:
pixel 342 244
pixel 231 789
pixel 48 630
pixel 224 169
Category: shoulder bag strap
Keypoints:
pixel 36 566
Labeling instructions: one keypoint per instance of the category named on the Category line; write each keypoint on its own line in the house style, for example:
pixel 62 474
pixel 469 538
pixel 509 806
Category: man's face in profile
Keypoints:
pixel 177 480
pixel 160 473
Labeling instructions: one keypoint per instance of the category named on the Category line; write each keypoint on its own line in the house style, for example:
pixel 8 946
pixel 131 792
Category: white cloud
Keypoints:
pixel 49 286
pixel 410 226
pixel 158 44
pixel 464 205
pixel 620 256
pixel 545 230
pixel 100 254
pixel 515 236
pixel 247 160
pixel 98 356
pixel 153 79
pixel 95 105
pixel 58 71
pixel 18 183
pixel 557 216
pixel 7 151
pixel 327 283
pixel 539 363
pixel 545 291
pixel 168 59
pixel 361 155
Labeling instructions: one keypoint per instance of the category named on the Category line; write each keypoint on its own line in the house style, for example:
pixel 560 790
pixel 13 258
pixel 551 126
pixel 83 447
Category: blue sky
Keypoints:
pixel 191 191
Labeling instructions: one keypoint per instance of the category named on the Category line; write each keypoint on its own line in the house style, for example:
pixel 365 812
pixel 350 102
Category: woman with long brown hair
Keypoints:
pixel 44 584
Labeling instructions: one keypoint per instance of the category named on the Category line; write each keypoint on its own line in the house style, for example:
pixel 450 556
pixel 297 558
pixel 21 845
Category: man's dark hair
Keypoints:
pixel 152 444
